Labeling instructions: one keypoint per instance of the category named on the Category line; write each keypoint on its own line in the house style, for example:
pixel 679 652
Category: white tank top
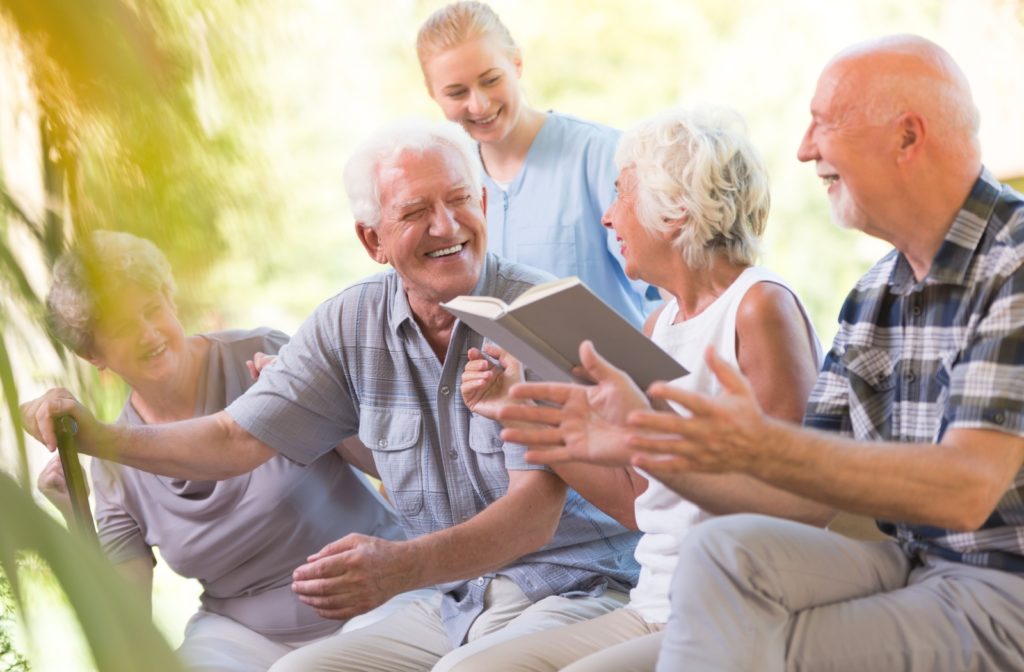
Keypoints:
pixel 662 515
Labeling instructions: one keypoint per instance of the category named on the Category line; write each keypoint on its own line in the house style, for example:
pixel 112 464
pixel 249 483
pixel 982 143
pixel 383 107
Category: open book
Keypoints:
pixel 544 326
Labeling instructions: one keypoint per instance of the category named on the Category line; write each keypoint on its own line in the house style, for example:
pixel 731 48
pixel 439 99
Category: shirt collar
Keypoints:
pixel 401 311
pixel 954 257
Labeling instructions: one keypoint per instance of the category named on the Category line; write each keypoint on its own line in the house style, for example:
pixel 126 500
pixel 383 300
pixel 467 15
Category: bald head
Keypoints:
pixel 881 79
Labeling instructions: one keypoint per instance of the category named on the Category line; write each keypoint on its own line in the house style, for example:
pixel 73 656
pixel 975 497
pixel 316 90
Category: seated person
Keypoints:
pixel 917 418
pixel 691 208
pixel 510 549
pixel 112 302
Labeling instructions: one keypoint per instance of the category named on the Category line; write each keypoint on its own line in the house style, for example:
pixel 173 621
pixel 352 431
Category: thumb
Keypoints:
pixel 597 367
pixel 733 381
pixel 336 547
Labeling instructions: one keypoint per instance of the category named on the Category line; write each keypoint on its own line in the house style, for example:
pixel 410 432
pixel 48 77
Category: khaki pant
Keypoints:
pixel 620 641
pixel 758 593
pixel 414 640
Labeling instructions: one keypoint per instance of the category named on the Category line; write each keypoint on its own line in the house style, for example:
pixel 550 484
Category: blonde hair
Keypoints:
pixel 698 164
pixel 457 23
pixel 87 277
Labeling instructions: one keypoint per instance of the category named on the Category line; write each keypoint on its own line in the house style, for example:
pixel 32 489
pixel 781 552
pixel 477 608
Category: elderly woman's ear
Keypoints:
pixel 674 226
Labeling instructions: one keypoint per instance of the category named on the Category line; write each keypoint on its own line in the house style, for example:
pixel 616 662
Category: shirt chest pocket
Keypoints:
pixel 394 435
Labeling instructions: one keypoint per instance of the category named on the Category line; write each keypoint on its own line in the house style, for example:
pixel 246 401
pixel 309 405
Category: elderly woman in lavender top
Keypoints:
pixel 112 303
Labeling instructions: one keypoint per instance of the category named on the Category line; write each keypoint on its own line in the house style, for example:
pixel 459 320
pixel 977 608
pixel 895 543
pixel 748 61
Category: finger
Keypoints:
pixel 253 373
pixel 47 411
pixel 322 592
pixel 474 354
pixel 554 393
pixel 496 351
pixel 336 547
pixel 597 367
pixel 660 465
pixel 696 403
pixel 663 422
pixel 533 436
pixel 542 415
pixel 732 379
pixel 661 445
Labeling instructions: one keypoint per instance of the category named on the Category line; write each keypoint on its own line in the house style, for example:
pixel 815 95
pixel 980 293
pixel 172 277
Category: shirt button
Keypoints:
pixel 480 581
pixel 383 443
pixel 916 311
pixel 910 376
pixel 445 390
pixel 454 454
pixel 999 418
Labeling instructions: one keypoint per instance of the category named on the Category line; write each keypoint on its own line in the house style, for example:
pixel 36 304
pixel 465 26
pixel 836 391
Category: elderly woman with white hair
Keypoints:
pixel 112 303
pixel 691 209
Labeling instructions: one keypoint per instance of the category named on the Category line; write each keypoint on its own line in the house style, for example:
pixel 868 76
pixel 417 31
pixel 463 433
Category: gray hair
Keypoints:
pixel 699 164
pixel 387 143
pixel 89 275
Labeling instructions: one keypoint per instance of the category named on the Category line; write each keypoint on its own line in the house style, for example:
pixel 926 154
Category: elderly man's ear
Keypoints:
pixel 913 130
pixel 370 239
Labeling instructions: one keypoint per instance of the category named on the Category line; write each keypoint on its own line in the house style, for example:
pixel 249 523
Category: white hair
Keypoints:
pixel 387 143
pixel 698 164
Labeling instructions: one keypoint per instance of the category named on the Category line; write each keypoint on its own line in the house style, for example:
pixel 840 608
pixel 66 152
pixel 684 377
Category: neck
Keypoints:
pixel 435 323
pixel 932 214
pixel 503 159
pixel 696 289
pixel 175 399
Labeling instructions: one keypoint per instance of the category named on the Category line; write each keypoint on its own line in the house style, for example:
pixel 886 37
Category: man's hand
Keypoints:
pixel 353 575
pixel 38 416
pixel 259 362
pixel 53 486
pixel 485 387
pixel 580 423
pixel 723 433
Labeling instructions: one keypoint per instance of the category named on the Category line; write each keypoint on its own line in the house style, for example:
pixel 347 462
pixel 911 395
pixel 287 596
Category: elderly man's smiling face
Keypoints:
pixel 432 229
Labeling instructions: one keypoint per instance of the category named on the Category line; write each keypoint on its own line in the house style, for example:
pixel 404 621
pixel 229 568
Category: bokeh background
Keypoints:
pixel 219 130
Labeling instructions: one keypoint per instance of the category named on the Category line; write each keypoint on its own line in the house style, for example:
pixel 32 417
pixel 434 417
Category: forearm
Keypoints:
pixel 139 573
pixel 212 447
pixel 723 494
pixel 517 524
pixel 954 485
pixel 612 489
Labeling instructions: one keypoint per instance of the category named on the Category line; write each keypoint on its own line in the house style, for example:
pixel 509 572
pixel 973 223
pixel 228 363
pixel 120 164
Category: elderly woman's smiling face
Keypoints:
pixel 138 336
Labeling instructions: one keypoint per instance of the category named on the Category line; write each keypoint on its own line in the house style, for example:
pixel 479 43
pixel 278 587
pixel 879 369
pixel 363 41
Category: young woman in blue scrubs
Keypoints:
pixel 549 176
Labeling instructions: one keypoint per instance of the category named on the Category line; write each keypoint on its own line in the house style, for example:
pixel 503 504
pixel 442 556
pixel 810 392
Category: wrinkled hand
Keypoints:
pixel 38 414
pixel 53 486
pixel 579 423
pixel 722 434
pixel 485 387
pixel 352 575
pixel 259 362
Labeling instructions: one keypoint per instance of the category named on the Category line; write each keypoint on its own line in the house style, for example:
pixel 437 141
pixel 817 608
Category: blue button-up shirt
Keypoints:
pixel 913 360
pixel 360 365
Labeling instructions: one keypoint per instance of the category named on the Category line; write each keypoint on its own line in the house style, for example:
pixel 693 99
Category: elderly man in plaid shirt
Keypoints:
pixel 916 419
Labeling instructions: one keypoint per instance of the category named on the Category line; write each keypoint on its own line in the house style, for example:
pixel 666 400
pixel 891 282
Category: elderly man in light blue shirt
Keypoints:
pixel 510 548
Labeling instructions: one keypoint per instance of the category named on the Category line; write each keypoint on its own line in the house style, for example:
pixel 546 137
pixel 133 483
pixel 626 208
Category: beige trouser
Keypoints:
pixel 414 640
pixel 619 641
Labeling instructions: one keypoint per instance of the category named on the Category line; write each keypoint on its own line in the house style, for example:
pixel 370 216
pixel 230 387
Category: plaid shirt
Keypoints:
pixel 360 365
pixel 915 359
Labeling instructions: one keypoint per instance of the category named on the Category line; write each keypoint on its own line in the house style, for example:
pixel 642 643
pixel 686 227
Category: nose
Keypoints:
pixel 808 149
pixel 478 101
pixel 606 218
pixel 443 223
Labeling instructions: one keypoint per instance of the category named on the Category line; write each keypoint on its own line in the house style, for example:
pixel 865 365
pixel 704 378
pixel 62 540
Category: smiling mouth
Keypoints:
pixel 829 180
pixel 155 352
pixel 446 252
pixel 486 120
